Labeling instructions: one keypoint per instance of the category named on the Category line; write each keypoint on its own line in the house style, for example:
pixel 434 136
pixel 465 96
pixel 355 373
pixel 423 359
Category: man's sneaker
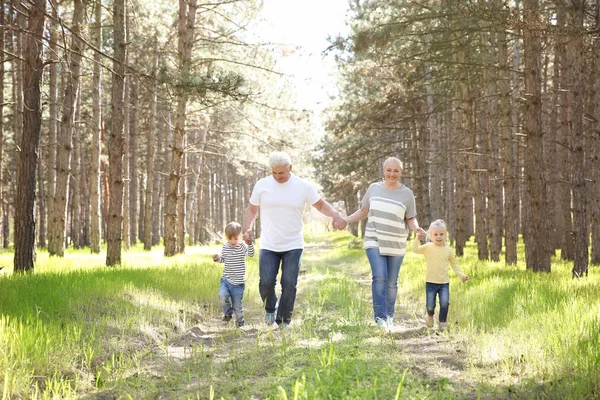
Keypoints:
pixel 284 325
pixel 239 324
pixel 443 325
pixel 390 322
pixel 226 317
pixel 381 323
pixel 269 318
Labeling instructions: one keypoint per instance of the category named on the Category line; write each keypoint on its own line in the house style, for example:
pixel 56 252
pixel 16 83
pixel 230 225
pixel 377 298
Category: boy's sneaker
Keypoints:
pixel 381 323
pixel 226 317
pixel 269 318
pixel 430 321
pixel 443 325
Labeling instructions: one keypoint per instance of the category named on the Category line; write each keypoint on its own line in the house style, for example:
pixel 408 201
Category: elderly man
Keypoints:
pixel 281 198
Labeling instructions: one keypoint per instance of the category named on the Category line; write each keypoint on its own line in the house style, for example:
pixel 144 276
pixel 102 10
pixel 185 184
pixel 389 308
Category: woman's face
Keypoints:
pixel 392 172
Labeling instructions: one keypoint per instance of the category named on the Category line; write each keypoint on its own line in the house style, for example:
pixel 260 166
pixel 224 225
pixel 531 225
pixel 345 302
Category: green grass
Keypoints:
pixel 78 329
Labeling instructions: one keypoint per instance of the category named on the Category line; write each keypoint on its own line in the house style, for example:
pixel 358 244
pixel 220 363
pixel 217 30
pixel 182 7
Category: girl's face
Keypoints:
pixel 392 172
pixel 438 235
pixel 234 241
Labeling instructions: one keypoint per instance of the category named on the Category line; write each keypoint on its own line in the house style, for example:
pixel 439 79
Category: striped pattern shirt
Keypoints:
pixel 234 259
pixel 386 223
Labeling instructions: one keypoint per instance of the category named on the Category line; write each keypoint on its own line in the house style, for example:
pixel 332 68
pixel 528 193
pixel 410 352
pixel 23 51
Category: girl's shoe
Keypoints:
pixel 390 322
pixel 430 321
pixel 381 323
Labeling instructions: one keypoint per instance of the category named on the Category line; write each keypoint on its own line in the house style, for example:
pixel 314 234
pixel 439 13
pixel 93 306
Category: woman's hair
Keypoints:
pixel 279 159
pixel 438 223
pixel 232 229
pixel 393 159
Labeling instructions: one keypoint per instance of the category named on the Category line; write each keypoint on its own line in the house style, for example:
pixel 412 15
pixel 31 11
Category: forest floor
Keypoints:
pixel 429 355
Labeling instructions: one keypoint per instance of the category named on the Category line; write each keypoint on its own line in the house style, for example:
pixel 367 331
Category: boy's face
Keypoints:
pixel 438 235
pixel 234 241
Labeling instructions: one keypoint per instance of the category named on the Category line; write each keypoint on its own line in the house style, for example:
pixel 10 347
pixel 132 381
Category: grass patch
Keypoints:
pixel 151 328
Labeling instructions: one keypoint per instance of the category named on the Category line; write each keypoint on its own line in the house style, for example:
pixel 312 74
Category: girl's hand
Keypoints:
pixel 215 257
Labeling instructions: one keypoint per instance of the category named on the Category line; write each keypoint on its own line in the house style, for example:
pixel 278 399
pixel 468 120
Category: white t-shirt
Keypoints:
pixel 281 207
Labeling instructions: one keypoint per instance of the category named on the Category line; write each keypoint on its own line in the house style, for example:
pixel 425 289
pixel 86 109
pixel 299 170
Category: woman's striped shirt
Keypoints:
pixel 234 259
pixel 386 223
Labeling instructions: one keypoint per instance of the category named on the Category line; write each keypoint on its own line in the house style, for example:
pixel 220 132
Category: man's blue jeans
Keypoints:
pixel 384 288
pixel 231 297
pixel 268 265
pixel 442 290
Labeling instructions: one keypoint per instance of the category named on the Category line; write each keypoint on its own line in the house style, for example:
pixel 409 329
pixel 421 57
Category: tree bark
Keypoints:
pixel 186 22
pixel 115 141
pixel 25 249
pixel 96 145
pixel 58 220
pixel 595 146
pixel 537 256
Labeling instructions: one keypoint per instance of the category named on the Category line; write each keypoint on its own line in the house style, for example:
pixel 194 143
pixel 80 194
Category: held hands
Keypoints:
pixel 421 233
pixel 248 236
pixel 215 257
pixel 464 278
pixel 339 222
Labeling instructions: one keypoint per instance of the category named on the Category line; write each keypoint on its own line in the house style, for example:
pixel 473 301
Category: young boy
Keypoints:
pixel 233 282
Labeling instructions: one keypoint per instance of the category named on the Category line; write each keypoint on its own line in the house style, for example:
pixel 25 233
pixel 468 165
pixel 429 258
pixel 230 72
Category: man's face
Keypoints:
pixel 281 173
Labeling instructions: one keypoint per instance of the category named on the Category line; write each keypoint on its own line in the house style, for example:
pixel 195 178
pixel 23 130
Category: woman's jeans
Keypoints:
pixel 268 265
pixel 385 271
pixel 443 291
pixel 231 297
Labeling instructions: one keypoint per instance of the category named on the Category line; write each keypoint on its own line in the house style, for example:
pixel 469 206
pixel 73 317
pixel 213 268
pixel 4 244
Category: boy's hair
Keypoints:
pixel 393 159
pixel 279 159
pixel 233 228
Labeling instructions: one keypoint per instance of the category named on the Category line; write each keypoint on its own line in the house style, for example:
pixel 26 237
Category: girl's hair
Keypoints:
pixel 279 159
pixel 232 229
pixel 438 223
pixel 393 159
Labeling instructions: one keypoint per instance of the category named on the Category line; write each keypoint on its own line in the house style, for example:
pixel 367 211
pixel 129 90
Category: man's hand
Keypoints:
pixel 339 222
pixel 248 236
pixel 421 234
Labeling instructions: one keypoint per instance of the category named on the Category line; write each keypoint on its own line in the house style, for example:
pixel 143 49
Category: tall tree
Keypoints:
pixel 536 253
pixel 58 219
pixel 115 140
pixel 27 157
pixel 186 23
pixel 96 145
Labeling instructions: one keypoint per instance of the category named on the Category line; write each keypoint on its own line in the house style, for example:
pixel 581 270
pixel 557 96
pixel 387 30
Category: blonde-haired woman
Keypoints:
pixel 389 207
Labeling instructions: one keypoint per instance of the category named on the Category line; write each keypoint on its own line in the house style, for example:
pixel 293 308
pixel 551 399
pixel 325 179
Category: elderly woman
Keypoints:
pixel 391 212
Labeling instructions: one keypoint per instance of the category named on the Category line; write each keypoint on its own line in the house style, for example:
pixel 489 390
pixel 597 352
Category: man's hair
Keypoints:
pixel 232 229
pixel 279 159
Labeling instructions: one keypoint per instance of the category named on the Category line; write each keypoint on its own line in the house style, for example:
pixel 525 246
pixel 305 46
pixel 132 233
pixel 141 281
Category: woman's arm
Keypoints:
pixel 358 215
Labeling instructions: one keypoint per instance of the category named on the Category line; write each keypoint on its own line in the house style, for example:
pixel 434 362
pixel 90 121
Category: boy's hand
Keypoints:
pixel 464 278
pixel 215 257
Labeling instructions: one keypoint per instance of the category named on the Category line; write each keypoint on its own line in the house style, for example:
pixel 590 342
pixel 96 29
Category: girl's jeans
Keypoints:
pixel 268 265
pixel 227 291
pixel 384 288
pixel 443 291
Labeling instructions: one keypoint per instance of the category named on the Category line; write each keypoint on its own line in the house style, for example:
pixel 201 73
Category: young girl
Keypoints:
pixel 438 255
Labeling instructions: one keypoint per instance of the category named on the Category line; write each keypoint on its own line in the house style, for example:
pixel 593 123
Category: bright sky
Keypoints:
pixel 306 24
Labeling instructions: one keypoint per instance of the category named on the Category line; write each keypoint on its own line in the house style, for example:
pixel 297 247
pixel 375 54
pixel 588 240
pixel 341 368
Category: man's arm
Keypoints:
pixel 249 218
pixel 326 209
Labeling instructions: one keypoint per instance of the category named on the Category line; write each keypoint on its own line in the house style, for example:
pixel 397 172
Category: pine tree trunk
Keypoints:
pixel 595 147
pixel 2 72
pixel 126 156
pixel 150 150
pixel 134 165
pixel 186 22
pixel 578 165
pixel 57 227
pixel 537 256
pixel 96 145
pixel 115 141
pixel 25 249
